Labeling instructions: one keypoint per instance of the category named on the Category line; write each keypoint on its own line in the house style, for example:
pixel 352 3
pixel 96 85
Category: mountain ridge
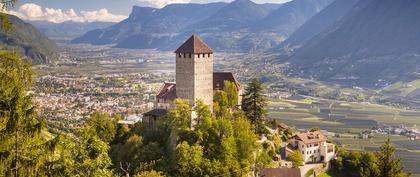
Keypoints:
pixel 225 27
pixel 373 45
pixel 27 41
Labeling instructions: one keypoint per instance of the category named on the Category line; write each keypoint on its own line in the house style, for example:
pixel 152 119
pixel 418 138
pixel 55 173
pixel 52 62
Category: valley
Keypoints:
pixel 310 87
pixel 140 72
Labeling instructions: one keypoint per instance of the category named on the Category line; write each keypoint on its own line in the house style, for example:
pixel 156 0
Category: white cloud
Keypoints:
pixel 163 3
pixel 30 11
pixel 160 3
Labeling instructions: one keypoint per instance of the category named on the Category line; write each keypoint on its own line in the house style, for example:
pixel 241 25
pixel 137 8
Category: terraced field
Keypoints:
pixel 310 112
pixel 350 119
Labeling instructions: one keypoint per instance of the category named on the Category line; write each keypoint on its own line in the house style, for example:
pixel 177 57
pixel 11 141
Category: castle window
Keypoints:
pixel 185 55
pixel 209 55
pixel 179 55
pixel 198 55
pixel 189 55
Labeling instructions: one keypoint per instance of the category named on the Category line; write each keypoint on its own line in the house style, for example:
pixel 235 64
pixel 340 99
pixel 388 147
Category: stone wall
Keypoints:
pixel 204 78
pixel 194 77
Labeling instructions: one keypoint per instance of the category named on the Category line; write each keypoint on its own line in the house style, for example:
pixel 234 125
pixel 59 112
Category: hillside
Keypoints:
pixel 28 41
pixel 374 44
pixel 317 24
pixel 291 16
pixel 151 23
pixel 69 29
pixel 229 27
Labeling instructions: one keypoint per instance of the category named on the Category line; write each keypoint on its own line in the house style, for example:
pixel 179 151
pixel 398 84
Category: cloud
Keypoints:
pixel 31 11
pixel 163 3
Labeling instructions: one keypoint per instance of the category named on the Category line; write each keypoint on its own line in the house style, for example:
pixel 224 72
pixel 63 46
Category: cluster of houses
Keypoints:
pixel 411 132
pixel 73 97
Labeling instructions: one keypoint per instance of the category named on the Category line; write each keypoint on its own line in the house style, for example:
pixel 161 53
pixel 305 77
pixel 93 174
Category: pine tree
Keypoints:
pixel 254 103
pixel 25 146
pixel 388 164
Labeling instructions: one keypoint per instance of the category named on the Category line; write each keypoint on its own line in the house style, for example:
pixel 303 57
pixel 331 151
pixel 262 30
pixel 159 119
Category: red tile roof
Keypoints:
pixel 167 91
pixel 311 137
pixel 280 172
pixel 194 45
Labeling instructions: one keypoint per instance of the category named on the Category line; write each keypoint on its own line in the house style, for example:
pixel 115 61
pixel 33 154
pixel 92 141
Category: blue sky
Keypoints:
pixel 93 10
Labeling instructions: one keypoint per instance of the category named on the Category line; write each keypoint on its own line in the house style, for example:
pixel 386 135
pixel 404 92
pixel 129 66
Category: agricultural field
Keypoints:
pixel 409 89
pixel 349 120
pixel 337 116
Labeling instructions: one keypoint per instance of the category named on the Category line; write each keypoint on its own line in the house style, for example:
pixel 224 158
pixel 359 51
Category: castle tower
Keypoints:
pixel 194 71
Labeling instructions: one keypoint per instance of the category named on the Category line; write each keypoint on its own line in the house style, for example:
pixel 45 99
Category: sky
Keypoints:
pixel 58 11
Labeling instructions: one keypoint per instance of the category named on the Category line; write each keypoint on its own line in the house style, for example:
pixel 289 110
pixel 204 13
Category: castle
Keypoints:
pixel 195 79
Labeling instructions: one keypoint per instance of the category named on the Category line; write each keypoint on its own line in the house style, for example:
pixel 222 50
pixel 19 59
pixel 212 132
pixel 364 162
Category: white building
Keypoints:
pixel 313 146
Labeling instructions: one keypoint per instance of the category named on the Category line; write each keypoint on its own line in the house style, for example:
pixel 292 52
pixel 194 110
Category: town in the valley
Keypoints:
pixel 210 88
pixel 68 98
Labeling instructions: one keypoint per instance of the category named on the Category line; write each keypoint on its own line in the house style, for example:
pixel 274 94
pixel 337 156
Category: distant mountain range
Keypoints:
pixel 68 29
pixel 241 26
pixel 375 43
pixel 26 40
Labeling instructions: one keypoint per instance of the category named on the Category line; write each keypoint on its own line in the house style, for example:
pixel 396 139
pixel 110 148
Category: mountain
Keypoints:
pixel 374 44
pixel 152 23
pixel 229 27
pixel 28 41
pixel 237 15
pixel 291 16
pixel 317 24
pixel 68 29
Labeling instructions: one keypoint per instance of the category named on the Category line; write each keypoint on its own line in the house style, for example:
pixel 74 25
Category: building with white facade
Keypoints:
pixel 313 146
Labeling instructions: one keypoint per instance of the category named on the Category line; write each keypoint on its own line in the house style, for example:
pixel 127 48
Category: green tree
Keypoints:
pixel 220 103
pixel 277 141
pixel 25 150
pixel 296 159
pixel 254 105
pixel 263 161
pixel 388 164
pixel 6 5
pixel 314 129
pixel 232 93
pixel 203 114
pixel 150 174
pixel 90 154
pixel 103 125
pixel 369 165
pixel 180 115
pixel 189 160
pixel 246 142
